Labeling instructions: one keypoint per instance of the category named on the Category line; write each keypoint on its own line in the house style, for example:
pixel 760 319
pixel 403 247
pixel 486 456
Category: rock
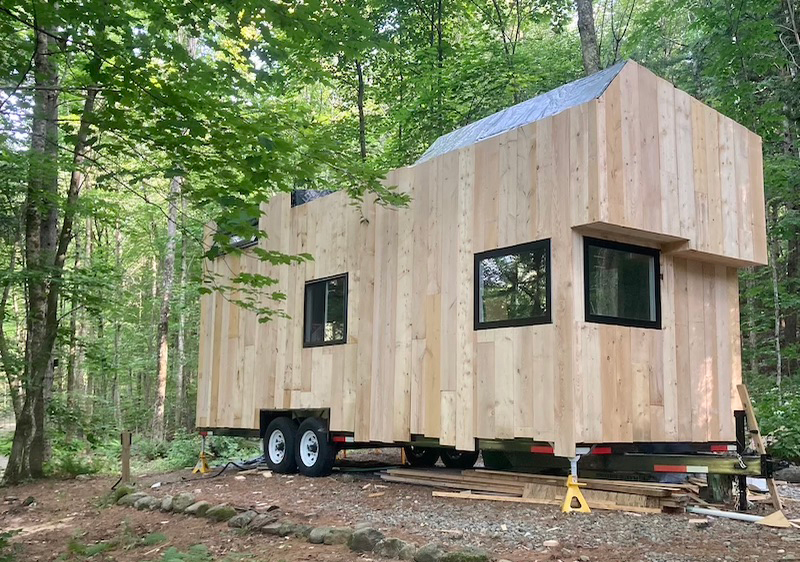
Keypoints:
pixel 317 535
pixel 197 508
pixel 242 520
pixel 156 485
pixel 121 492
pixel 30 500
pixel 364 540
pixel 431 552
pixel 362 525
pixel 584 558
pixel 147 502
pixel 182 501
pixel 347 478
pixel 220 513
pixel 408 551
pixel 131 499
pixel 286 529
pixel 469 554
pixel 166 504
pixel 700 523
pixel 790 474
pixel 260 520
pixel 337 536
pixel 550 543
pixel 392 548
pixel 83 477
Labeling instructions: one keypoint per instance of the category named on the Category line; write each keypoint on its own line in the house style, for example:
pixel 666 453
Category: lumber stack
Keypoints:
pixel 643 497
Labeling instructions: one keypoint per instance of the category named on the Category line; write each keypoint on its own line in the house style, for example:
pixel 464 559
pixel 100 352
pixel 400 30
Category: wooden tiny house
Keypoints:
pixel 565 273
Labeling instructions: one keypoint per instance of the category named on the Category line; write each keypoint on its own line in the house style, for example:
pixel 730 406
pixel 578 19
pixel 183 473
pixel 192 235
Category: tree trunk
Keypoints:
pixel 362 124
pixel 40 243
pixel 773 264
pixel 180 382
pixel 117 331
pixel 168 276
pixel 589 45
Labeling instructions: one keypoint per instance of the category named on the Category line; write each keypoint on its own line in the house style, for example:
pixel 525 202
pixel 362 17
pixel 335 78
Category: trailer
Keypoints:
pixel 562 284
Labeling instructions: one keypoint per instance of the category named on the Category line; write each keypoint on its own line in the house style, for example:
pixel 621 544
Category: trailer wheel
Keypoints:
pixel 459 459
pixel 279 446
pixel 422 457
pixel 314 451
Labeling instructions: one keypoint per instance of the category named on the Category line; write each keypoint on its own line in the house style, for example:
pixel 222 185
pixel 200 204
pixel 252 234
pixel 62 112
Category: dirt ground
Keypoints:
pixel 68 520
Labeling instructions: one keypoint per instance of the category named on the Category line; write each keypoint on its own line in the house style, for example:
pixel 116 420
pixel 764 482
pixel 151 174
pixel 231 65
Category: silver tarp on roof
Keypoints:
pixel 544 105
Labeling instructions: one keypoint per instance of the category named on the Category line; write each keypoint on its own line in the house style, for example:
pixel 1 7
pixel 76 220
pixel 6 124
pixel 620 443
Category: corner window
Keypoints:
pixel 622 284
pixel 512 286
pixel 325 312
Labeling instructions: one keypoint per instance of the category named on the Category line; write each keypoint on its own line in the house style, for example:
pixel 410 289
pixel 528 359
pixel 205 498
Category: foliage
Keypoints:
pixel 6 548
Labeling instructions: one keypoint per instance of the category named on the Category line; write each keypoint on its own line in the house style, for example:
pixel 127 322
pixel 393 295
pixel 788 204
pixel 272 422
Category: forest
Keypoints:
pixel 125 129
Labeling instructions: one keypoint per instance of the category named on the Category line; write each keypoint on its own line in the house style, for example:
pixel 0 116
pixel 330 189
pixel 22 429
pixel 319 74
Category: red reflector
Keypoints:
pixel 339 438
pixel 601 451
pixel 669 468
pixel 719 448
pixel 542 449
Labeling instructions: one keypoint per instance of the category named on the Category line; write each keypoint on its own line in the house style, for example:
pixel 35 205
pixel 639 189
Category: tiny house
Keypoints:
pixel 565 275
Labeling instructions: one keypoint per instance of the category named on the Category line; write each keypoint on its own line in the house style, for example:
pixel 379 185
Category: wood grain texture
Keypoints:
pixel 643 164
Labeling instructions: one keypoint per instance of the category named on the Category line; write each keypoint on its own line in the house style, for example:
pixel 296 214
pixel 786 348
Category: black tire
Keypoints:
pixel 458 459
pixel 421 457
pixel 285 433
pixel 496 460
pixel 314 453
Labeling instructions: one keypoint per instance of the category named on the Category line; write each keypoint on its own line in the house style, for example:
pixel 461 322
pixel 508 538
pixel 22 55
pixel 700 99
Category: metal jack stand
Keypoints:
pixel 202 463
pixel 574 490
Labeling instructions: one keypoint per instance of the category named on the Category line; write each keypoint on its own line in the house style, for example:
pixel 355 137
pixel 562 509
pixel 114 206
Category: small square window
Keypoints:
pixel 512 286
pixel 325 312
pixel 622 284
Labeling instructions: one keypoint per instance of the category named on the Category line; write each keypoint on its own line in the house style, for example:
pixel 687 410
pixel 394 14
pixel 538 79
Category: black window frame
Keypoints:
pixel 513 322
pixel 654 253
pixel 310 283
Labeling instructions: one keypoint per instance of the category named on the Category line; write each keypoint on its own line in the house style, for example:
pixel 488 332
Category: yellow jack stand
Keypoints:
pixel 202 463
pixel 574 492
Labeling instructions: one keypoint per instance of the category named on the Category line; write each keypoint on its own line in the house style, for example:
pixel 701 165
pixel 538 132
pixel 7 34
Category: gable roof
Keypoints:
pixel 544 105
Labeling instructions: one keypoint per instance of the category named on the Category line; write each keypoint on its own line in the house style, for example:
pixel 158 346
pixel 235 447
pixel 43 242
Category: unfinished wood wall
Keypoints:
pixel 413 364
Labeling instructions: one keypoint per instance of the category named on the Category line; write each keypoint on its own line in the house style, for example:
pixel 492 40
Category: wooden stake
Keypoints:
pixel 755 432
pixel 125 437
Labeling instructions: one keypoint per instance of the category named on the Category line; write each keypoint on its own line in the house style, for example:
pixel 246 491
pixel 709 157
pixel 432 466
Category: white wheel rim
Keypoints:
pixel 277 446
pixel 309 448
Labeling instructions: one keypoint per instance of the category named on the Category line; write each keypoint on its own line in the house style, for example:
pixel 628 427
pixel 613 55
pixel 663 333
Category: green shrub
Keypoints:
pixel 6 549
pixel 6 440
pixel 150 449
pixel 778 415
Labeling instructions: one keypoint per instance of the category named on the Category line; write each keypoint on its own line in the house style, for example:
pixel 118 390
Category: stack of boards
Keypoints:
pixel 492 485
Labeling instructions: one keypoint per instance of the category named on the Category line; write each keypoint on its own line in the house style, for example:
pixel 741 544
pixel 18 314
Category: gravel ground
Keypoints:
pixel 514 532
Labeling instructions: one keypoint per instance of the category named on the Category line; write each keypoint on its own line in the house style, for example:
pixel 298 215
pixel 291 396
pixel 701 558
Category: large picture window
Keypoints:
pixel 326 312
pixel 622 284
pixel 512 286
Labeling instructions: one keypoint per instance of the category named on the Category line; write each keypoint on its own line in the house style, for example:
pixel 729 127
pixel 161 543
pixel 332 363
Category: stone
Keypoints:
pixel 220 513
pixel 121 492
pixel 431 552
pixel 30 500
pixel 550 543
pixel 469 554
pixel 242 520
pixel 260 520
pixel 408 551
pixel 700 523
pixel 584 558
pixel 347 478
pixel 272 528
pixel 337 535
pixel 362 525
pixel 182 501
pixel 364 540
pixel 317 535
pixel 197 508
pixel 83 477
pixel 301 530
pixel 286 529
pixel 147 502
pixel 789 474
pixel 166 504
pixel 391 548
pixel 130 499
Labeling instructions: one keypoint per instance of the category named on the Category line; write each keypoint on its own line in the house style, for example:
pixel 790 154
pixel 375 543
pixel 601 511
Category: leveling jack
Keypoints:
pixel 574 491
pixel 202 462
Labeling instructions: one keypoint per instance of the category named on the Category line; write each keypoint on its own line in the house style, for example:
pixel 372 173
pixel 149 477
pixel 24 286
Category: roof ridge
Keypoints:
pixel 544 105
